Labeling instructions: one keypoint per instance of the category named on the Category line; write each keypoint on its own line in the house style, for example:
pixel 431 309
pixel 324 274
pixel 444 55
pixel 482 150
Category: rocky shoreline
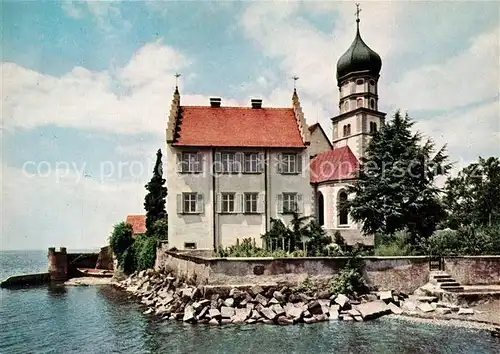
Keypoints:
pixel 169 298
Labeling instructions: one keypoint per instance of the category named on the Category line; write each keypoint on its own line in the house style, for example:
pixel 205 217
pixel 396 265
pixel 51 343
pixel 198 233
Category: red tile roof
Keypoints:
pixel 138 223
pixel 238 127
pixel 334 165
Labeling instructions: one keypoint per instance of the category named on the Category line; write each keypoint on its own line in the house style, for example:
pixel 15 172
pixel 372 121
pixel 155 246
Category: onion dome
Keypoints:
pixel 358 58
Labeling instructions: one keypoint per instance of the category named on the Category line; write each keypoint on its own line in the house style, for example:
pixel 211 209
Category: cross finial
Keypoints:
pixel 177 75
pixel 358 10
pixel 295 78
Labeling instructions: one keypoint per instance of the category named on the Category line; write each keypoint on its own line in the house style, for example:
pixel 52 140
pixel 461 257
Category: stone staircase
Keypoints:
pixel 444 281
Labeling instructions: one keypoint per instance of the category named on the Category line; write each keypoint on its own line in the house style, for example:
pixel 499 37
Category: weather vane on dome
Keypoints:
pixel 358 10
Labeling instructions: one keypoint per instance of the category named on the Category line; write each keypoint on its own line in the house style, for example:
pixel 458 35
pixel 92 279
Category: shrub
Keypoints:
pixel 350 279
pixel 466 241
pixel 307 286
pixel 120 241
pixel 144 250
pixel 396 245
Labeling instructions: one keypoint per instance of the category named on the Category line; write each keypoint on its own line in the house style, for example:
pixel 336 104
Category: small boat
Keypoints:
pixel 92 272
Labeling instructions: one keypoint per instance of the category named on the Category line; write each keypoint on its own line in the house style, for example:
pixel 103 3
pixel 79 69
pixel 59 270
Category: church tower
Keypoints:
pixel 358 72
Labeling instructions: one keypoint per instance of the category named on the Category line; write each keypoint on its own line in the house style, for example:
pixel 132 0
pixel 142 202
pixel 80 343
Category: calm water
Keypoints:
pixel 104 320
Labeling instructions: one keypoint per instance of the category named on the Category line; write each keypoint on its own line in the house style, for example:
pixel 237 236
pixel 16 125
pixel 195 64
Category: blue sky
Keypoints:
pixel 86 87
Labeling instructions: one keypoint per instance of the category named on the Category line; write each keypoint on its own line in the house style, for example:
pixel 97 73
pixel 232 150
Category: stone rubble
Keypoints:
pixel 168 298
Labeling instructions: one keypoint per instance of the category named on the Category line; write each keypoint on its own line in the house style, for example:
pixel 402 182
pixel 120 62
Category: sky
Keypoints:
pixel 87 87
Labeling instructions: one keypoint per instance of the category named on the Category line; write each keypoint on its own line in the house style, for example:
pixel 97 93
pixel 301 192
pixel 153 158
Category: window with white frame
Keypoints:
pixel 190 162
pixel 228 162
pixel 228 200
pixel 290 203
pixel 289 163
pixel 251 202
pixel 251 162
pixel 189 203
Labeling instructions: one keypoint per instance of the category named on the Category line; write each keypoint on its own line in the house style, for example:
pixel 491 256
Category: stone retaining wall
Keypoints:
pixel 398 273
pixel 474 270
pixel 385 273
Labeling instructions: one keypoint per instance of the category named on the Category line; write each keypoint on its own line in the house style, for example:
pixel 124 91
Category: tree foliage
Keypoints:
pixel 473 197
pixel 395 189
pixel 154 202
pixel 120 240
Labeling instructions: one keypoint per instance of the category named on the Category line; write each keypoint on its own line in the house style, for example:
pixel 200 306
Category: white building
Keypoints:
pixel 231 169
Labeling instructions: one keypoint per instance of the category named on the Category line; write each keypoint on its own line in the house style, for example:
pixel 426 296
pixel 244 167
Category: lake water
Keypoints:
pixel 104 320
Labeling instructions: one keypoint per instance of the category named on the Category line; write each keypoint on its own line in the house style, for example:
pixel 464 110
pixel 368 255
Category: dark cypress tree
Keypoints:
pixel 395 190
pixel 154 203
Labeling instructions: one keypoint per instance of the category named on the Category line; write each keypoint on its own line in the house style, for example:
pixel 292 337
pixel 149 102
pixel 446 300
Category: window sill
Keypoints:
pixel 188 173
pixel 252 213
pixel 291 173
pixel 251 173
pixel 227 212
pixel 193 213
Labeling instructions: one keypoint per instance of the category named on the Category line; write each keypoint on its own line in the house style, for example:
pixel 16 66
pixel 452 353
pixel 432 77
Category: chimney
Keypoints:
pixel 256 103
pixel 215 102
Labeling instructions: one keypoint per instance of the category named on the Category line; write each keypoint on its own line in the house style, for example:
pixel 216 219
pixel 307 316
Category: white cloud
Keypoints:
pixel 39 211
pixel 471 76
pixel 86 99
pixel 467 133
pixel 106 13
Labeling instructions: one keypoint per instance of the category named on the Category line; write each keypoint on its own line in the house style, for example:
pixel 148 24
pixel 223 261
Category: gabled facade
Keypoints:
pixel 319 140
pixel 231 169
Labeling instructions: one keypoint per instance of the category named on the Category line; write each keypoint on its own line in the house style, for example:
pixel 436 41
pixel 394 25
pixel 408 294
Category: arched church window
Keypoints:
pixel 342 207
pixel 359 102
pixel 348 130
pixel 372 103
pixel 372 83
pixel 373 127
pixel 346 106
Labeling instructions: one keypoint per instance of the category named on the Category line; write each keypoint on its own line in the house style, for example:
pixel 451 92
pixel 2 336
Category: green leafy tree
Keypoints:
pixel 154 202
pixel 395 189
pixel 120 241
pixel 318 240
pixel 473 197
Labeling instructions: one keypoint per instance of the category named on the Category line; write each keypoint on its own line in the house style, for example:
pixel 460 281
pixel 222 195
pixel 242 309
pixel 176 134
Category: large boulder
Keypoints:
pixel 229 302
pixel 268 313
pixel 261 299
pixel 188 314
pixel 385 296
pixel 425 307
pixel 226 312
pixel 278 309
pixel 394 309
pixel 294 312
pixel 374 309
pixel 341 300
pixel 214 313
